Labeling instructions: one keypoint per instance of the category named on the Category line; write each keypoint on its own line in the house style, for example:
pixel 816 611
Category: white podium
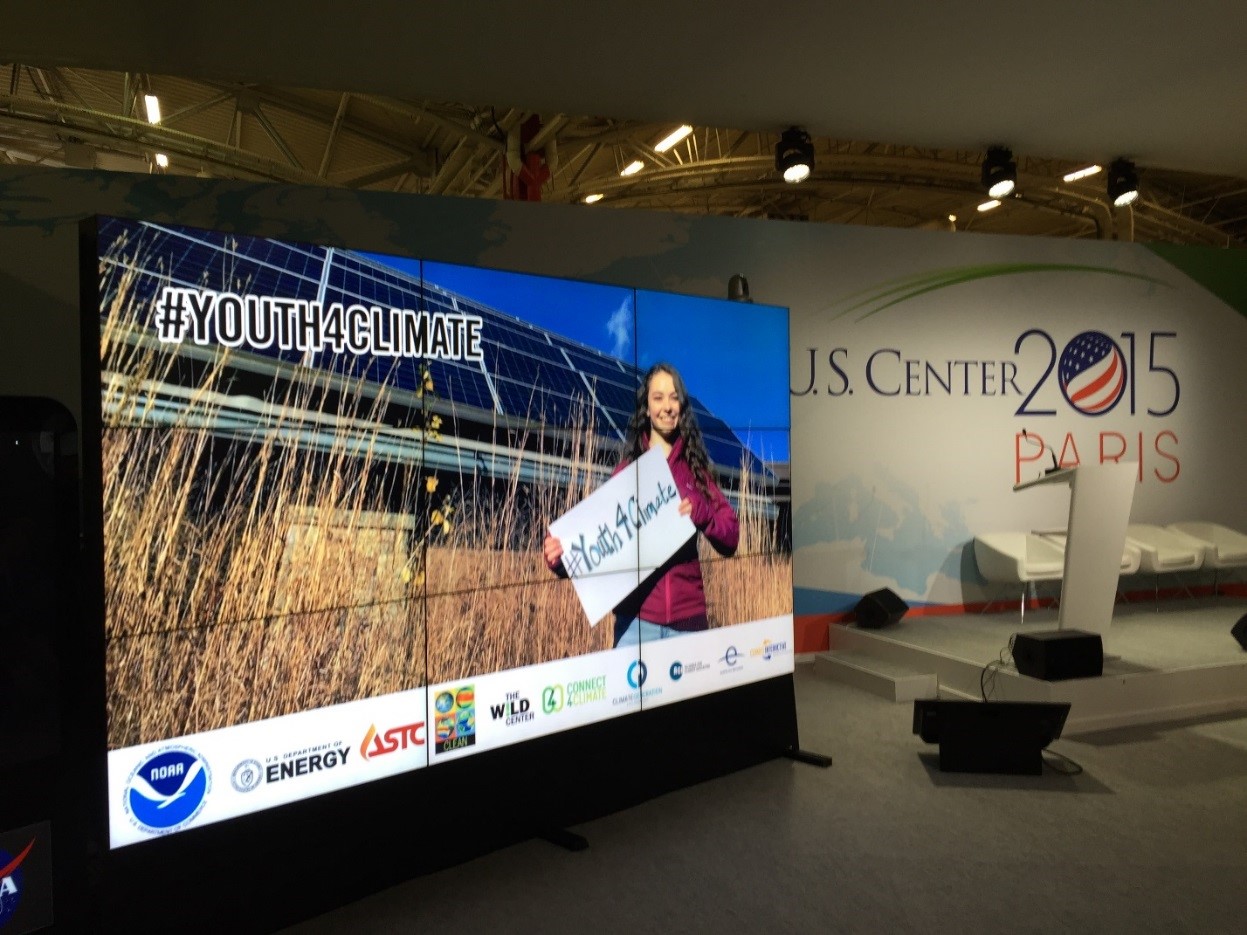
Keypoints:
pixel 1099 511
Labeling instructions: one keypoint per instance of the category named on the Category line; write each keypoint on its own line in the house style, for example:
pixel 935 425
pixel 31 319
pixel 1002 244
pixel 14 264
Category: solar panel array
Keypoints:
pixel 530 374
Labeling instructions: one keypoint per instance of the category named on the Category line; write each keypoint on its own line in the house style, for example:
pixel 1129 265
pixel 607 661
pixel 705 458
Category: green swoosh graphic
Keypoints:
pixel 908 287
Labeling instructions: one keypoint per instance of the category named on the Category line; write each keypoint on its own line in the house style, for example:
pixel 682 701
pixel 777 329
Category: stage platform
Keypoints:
pixel 1163 663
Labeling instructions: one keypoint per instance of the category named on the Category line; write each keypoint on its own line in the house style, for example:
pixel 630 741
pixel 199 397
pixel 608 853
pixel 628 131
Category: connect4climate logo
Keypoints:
pixel 167 790
pixel 1093 373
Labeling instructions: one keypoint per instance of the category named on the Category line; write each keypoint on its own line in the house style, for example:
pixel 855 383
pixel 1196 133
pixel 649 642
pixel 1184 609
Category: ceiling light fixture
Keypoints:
pixel 632 168
pixel 794 155
pixel 592 199
pixel 1122 183
pixel 672 138
pixel 152 103
pixel 988 205
pixel 1083 173
pixel 1000 172
pixel 162 160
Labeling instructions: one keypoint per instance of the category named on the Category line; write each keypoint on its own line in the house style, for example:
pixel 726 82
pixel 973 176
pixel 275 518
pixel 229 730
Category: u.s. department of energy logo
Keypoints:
pixel 1093 373
pixel 167 790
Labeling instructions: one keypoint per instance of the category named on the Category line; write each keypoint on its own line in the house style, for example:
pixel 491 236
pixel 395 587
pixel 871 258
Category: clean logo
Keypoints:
pixel 166 791
pixel 12 879
pixel 637 673
pixel 1093 373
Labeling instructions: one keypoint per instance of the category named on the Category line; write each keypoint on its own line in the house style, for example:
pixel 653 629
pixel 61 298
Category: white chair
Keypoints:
pixel 1131 557
pixel 1223 547
pixel 1018 558
pixel 1163 551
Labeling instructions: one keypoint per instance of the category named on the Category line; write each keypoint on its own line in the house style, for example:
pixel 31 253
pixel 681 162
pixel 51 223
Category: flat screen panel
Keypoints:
pixel 329 478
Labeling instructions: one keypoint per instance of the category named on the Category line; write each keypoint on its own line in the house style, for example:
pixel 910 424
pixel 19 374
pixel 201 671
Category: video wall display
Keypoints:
pixel 364 514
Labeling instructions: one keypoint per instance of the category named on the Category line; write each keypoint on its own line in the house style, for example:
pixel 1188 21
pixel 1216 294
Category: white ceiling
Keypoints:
pixel 1162 83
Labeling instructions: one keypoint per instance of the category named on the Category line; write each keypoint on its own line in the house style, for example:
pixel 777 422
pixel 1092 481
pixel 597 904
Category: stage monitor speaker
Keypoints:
pixel 880 609
pixel 1053 655
pixel 990 736
pixel 1240 632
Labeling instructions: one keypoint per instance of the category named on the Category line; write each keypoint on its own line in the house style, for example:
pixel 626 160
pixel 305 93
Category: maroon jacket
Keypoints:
pixel 674 594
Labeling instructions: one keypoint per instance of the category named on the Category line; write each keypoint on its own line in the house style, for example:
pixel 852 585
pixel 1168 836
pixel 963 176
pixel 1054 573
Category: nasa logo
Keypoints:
pixel 167 791
pixel 637 673
pixel 246 775
pixel 12 879
pixel 676 671
pixel 1093 373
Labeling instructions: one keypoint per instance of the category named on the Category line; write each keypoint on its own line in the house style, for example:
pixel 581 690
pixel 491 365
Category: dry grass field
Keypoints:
pixel 249 577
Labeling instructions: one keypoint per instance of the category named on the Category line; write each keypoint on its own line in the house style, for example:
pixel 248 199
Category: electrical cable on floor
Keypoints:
pixel 987 678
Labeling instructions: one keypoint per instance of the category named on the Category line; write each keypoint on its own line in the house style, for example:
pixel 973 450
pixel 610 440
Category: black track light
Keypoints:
pixel 794 155
pixel 1000 172
pixel 1122 182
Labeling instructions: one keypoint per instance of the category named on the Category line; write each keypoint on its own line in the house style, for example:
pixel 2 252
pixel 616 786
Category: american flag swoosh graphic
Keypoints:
pixel 1093 373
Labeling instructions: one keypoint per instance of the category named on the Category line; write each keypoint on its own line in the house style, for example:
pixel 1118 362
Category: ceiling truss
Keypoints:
pixel 96 119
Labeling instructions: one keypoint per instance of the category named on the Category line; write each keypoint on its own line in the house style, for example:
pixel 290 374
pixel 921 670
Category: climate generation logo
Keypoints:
pixel 637 673
pixel 1093 373
pixel 167 791
pixel 12 879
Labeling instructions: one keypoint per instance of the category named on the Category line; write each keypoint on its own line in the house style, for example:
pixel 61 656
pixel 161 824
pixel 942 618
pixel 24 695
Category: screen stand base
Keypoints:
pixel 805 756
pixel 568 840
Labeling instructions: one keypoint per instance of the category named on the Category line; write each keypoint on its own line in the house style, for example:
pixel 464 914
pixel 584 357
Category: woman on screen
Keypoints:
pixel 672 600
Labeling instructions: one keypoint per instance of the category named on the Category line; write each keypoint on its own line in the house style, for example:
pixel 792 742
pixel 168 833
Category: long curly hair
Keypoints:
pixel 694 451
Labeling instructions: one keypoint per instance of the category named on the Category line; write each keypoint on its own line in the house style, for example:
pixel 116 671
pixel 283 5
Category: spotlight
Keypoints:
pixel 1000 172
pixel 738 289
pixel 1123 183
pixel 794 155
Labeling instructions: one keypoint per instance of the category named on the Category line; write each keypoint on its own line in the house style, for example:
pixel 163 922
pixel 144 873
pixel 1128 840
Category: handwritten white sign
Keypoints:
pixel 614 538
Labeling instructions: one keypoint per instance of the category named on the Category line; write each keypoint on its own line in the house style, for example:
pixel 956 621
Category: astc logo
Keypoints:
pixel 396 738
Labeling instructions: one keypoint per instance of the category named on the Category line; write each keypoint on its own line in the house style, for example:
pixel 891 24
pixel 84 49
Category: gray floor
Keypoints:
pixel 1151 837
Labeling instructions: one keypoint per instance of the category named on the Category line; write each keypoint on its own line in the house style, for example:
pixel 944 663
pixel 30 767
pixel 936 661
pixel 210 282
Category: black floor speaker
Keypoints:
pixel 1240 632
pixel 879 609
pixel 990 736
pixel 1053 655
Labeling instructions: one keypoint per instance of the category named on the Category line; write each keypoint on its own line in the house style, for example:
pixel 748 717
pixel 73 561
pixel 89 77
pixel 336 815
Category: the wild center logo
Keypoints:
pixel 166 791
pixel 12 881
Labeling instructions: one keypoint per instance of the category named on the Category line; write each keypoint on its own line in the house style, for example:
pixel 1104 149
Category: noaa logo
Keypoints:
pixel 166 791
pixel 246 775
pixel 637 673
pixel 676 670
pixel 1093 373
pixel 12 879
